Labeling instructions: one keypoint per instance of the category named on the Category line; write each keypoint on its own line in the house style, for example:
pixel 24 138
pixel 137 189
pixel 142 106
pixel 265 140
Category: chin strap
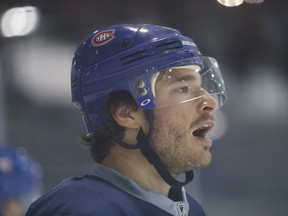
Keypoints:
pixel 175 192
pixel 144 145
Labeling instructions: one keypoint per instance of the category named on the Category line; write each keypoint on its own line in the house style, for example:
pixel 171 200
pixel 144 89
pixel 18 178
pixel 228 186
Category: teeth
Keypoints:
pixel 205 126
pixel 201 132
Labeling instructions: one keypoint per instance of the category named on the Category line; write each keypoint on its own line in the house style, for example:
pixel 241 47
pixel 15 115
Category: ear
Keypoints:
pixel 126 117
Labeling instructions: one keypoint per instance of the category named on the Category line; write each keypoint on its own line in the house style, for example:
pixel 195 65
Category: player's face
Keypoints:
pixel 180 129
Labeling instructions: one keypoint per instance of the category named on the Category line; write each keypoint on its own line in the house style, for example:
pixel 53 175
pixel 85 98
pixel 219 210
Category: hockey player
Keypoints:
pixel 20 179
pixel 147 97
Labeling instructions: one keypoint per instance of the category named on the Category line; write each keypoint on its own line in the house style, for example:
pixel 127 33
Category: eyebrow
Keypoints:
pixel 178 79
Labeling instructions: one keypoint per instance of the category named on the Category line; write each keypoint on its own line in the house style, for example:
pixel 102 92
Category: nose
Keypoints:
pixel 208 103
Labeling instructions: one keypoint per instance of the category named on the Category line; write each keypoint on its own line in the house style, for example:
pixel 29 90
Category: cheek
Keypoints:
pixel 172 127
pixel 171 114
pixel 172 131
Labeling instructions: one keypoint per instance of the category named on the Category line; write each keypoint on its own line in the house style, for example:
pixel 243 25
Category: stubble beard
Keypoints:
pixel 174 151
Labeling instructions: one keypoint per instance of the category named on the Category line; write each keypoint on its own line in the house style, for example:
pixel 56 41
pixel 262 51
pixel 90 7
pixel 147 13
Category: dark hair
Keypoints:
pixel 102 139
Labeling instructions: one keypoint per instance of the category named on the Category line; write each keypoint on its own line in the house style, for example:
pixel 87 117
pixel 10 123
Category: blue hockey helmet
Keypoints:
pixel 20 176
pixel 127 57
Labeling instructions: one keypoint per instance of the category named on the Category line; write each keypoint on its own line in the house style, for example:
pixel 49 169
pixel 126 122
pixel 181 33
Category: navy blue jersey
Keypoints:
pixel 92 195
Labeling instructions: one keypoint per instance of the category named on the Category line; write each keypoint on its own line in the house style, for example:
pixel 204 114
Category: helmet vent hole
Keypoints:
pixel 133 57
pixel 168 46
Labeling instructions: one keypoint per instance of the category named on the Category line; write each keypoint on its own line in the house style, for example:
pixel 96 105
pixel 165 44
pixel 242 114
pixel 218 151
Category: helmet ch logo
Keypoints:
pixel 103 37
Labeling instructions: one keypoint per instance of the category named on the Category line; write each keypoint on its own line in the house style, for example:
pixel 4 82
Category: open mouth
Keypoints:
pixel 202 131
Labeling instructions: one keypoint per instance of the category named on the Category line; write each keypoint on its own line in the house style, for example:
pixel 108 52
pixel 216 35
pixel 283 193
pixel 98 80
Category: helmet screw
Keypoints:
pixel 142 91
pixel 125 42
pixel 140 84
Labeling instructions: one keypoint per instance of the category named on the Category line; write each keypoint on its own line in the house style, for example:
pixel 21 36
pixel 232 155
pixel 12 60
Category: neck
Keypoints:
pixel 134 165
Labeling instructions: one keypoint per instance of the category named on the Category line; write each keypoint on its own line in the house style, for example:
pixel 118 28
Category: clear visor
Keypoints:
pixel 181 84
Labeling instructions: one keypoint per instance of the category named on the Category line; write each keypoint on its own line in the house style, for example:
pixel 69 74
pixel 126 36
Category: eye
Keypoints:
pixel 184 89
